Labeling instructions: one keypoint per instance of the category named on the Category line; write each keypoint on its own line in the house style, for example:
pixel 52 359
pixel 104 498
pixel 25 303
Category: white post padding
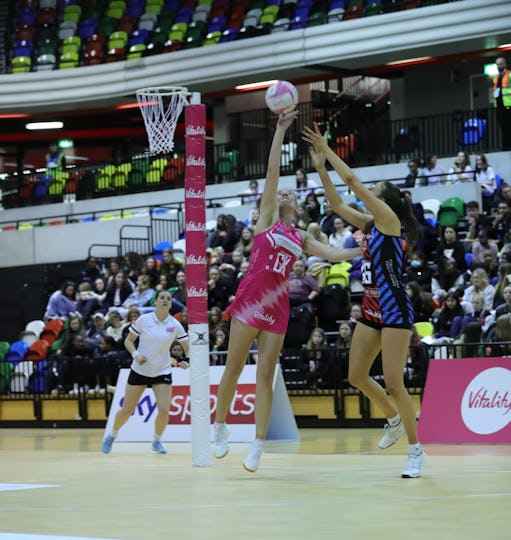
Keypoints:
pixel 199 394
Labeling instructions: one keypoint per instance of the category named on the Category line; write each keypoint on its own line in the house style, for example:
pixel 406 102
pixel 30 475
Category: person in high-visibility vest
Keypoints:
pixel 502 96
pixel 55 157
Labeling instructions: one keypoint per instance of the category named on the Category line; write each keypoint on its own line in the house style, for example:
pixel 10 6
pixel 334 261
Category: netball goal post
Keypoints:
pixel 161 108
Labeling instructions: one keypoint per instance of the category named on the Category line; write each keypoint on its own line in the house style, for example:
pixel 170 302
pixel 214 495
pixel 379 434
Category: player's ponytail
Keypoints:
pixel 402 207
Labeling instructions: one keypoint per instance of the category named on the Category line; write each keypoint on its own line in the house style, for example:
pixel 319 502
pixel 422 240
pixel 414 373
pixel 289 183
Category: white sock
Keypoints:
pixel 114 433
pixel 157 438
pixel 394 421
pixel 414 448
pixel 259 442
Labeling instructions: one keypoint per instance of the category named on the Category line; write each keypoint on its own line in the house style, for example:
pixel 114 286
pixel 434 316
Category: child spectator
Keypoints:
pixel 316 360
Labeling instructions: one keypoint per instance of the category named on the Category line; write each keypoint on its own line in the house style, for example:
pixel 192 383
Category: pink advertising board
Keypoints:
pixel 467 400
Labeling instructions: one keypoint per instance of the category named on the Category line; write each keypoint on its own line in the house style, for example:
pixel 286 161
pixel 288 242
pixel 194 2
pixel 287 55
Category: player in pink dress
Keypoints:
pixel 260 310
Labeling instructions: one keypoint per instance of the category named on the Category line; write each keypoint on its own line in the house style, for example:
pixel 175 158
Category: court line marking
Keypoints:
pixel 308 503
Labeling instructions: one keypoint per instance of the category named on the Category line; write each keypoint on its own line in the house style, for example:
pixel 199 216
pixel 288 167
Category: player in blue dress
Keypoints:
pixel 387 315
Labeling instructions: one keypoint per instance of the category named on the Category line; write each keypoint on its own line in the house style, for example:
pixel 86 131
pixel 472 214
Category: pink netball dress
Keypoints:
pixel 262 298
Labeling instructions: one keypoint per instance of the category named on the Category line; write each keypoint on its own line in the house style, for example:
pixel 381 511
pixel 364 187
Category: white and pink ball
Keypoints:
pixel 281 97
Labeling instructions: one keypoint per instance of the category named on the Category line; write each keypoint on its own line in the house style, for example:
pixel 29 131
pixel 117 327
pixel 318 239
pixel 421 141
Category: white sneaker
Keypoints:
pixel 415 464
pixel 391 435
pixel 251 462
pixel 221 444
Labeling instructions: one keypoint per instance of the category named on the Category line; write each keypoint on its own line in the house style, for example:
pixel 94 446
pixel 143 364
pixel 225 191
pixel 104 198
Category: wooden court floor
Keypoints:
pixel 333 484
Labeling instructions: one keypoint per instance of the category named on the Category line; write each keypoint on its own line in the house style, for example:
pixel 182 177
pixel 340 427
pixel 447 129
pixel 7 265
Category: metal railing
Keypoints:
pixel 245 158
pixel 24 381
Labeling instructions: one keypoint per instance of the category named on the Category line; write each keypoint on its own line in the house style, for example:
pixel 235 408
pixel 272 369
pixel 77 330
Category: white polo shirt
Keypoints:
pixel 155 340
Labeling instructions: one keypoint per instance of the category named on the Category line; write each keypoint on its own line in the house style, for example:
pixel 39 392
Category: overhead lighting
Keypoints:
pixel 44 125
pixel 255 86
pixel 506 46
pixel 417 60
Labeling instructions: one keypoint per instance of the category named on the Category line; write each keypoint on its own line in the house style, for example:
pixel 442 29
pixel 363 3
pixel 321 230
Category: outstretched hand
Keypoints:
pixel 314 137
pixel 286 119
pixel 318 158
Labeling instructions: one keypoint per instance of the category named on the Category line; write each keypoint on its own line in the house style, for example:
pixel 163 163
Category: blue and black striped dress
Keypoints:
pixel 385 302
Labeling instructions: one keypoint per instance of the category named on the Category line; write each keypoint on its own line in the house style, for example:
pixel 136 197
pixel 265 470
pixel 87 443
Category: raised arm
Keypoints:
pixel 269 208
pixel 356 218
pixel 384 217
pixel 312 246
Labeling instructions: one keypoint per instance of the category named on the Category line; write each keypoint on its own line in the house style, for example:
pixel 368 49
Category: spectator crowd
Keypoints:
pixel 458 279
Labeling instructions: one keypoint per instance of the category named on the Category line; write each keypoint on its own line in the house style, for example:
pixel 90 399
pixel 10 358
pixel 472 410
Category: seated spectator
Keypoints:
pixel 170 264
pixel 316 360
pixel 413 177
pixel 476 314
pixel 501 225
pixel 142 295
pixel 62 302
pixel 182 317
pixel 501 194
pixel 73 367
pixel 115 327
pixel 91 272
pixel 355 312
pixel 302 217
pixel 253 217
pixel 476 220
pixel 133 265
pixel 252 194
pixel 230 265
pixel 505 307
pixel 501 336
pixel 151 269
pixel 432 172
pixel 303 288
pixel 327 218
pixel 95 331
pixel 220 289
pixel 461 171
pixel 504 279
pixel 118 290
pixel 480 247
pixel 246 242
pixel 341 237
pixel 106 363
pixel 419 271
pixel 421 302
pixel 451 248
pixel 485 176
pixel 313 207
pixel 219 344
pixel 444 320
pixel 447 279
pixel 342 346
pixel 177 353
pixel 99 290
pixel 74 326
pixel 133 314
pixel 417 361
pixel 87 302
pixel 480 284
pixel 113 266
pixel 470 343
pixel 215 322
pixel 215 237
pixel 179 294
pixel 305 185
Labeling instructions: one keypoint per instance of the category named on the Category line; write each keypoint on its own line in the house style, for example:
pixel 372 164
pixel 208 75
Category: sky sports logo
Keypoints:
pixel 241 410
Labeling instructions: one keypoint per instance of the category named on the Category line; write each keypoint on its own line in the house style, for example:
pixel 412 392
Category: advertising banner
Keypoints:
pixel 240 418
pixel 467 400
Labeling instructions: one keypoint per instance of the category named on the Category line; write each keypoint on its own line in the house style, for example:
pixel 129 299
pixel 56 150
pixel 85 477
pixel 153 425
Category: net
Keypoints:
pixel 161 108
